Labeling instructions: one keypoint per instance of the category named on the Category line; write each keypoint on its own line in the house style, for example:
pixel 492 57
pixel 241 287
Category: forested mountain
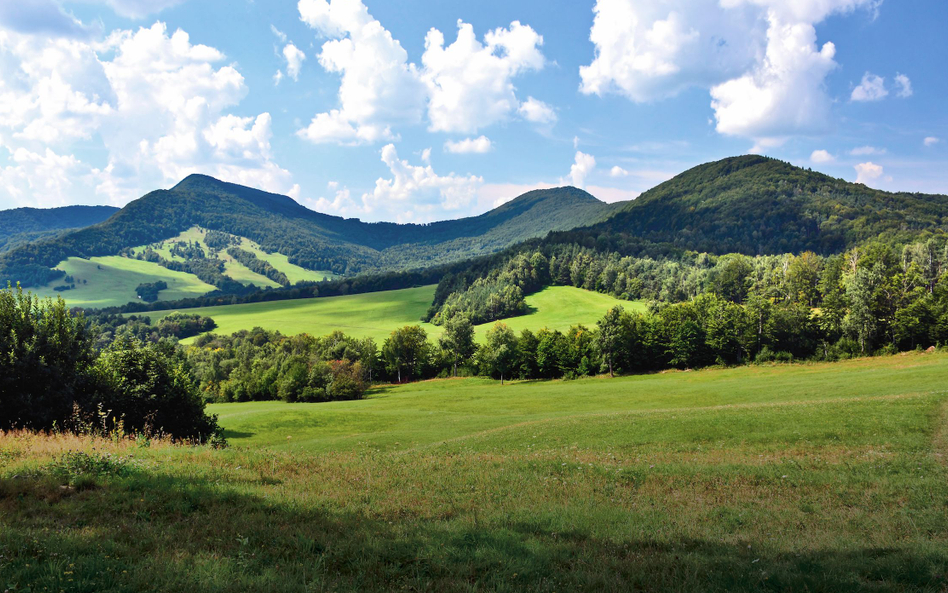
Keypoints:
pixel 309 239
pixel 758 205
pixel 23 225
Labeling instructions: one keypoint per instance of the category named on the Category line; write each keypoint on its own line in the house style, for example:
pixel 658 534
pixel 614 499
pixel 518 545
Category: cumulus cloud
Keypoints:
pixel 582 167
pixel 379 88
pixel 868 172
pixel 538 112
pixel 931 141
pixel 416 193
pixel 463 86
pixel 470 83
pixel 821 156
pixel 618 171
pixel 872 88
pixel 905 86
pixel 294 60
pixel 758 58
pixel 155 102
pixel 478 145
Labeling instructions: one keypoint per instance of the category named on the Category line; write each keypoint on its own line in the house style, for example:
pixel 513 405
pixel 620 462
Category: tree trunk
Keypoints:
pixel 399 374
pixel 610 367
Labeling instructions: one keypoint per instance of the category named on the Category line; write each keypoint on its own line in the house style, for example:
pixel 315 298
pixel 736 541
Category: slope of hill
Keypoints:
pixel 759 205
pixel 308 239
pixel 23 225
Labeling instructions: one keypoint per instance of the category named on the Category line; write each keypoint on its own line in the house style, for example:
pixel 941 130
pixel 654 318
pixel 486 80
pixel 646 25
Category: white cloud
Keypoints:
pixel 538 112
pixel 872 88
pixel 336 127
pixel 821 156
pixel 154 103
pixel 905 85
pixel 784 94
pixel 582 167
pixel 294 60
pixel 618 171
pixel 478 145
pixel 868 172
pixel 379 88
pixel 417 193
pixel 759 59
pixel 464 86
pixel 470 84
pixel 278 78
pixel 931 141
pixel 866 151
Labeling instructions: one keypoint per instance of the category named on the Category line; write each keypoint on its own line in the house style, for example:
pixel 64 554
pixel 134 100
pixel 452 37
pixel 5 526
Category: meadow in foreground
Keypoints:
pixel 827 477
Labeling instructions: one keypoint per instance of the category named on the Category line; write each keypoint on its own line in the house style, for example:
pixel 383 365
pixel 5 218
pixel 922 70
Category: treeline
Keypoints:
pixel 259 266
pixel 896 277
pixel 52 376
pixel 706 330
pixel 261 365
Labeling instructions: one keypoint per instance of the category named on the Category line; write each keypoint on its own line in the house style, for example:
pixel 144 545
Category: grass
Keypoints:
pixel 111 281
pixel 785 478
pixel 376 314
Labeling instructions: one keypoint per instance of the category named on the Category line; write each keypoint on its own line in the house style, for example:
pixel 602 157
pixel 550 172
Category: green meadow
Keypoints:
pixel 823 477
pixel 376 314
pixel 111 281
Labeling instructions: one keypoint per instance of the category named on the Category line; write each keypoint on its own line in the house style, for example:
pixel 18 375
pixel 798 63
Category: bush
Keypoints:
pixel 151 390
pixel 46 354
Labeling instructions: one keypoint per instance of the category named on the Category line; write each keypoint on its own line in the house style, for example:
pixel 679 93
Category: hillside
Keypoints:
pixel 306 238
pixel 23 225
pixel 759 205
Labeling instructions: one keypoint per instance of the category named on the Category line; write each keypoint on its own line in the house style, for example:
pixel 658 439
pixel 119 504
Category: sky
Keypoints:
pixel 415 111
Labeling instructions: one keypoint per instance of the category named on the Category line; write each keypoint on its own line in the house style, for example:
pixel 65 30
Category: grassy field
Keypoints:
pixel 111 281
pixel 784 478
pixel 376 314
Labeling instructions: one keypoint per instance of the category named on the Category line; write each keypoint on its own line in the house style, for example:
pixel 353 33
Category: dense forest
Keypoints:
pixel 24 225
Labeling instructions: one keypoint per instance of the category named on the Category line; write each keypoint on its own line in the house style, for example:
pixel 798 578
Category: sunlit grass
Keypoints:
pixel 785 478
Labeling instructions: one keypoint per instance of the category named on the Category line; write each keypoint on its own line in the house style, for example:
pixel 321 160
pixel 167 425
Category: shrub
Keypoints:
pixel 151 390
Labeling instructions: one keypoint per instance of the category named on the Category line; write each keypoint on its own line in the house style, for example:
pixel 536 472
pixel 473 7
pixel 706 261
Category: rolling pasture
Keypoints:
pixel 822 477
pixel 376 314
pixel 111 281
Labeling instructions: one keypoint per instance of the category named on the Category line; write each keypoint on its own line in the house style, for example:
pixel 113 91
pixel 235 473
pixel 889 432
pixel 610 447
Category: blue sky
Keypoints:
pixel 419 110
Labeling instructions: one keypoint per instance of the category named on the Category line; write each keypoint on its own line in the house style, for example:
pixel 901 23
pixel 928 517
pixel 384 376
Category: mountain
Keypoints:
pixel 759 205
pixel 309 239
pixel 23 225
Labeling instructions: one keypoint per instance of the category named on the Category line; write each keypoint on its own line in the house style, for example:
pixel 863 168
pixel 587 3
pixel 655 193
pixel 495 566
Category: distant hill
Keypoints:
pixel 759 205
pixel 23 225
pixel 308 239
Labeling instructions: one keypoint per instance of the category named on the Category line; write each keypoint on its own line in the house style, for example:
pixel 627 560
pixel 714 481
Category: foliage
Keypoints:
pixel 150 389
pixel 148 291
pixel 52 376
pixel 259 365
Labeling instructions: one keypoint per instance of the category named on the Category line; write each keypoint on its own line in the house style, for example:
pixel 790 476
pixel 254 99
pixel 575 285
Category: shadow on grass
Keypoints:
pixel 154 532
pixel 237 434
